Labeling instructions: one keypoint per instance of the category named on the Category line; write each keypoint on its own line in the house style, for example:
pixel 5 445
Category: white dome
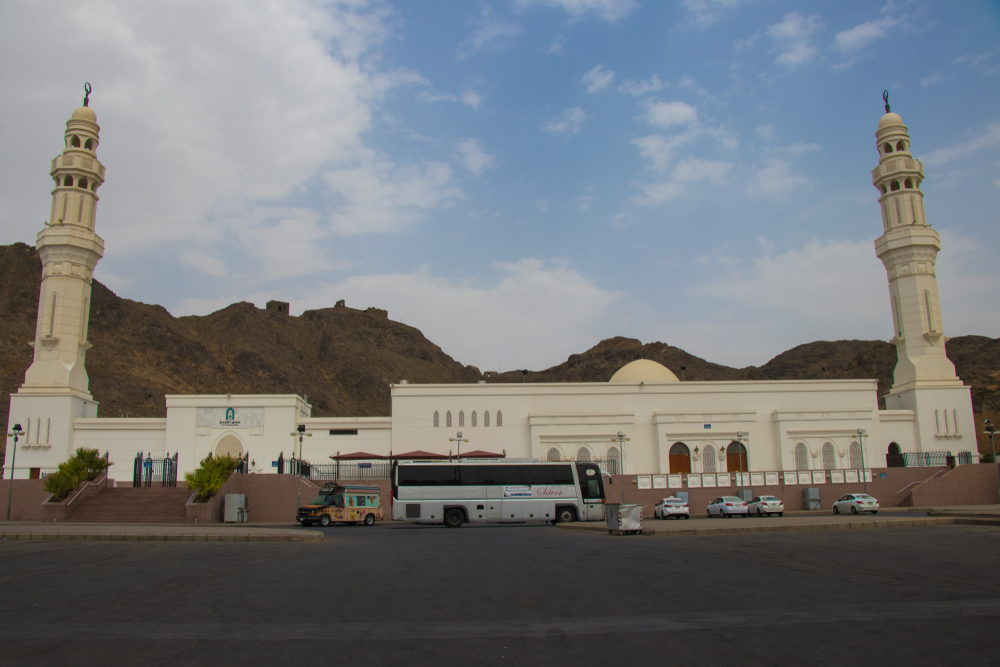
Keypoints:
pixel 643 370
pixel 888 120
pixel 85 113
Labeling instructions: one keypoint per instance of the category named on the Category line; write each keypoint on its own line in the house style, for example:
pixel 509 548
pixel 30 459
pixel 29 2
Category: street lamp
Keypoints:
pixel 861 437
pixel 301 433
pixel 621 440
pixel 988 427
pixel 745 462
pixel 458 439
pixel 16 432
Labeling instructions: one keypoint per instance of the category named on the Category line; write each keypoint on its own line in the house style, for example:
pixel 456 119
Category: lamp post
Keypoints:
pixel 745 462
pixel 16 432
pixel 621 440
pixel 988 427
pixel 301 433
pixel 861 437
pixel 458 439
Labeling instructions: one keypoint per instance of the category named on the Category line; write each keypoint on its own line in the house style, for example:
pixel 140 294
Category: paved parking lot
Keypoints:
pixel 411 595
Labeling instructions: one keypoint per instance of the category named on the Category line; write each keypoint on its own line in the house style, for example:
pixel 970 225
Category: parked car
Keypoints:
pixel 855 503
pixel 768 505
pixel 727 506
pixel 671 507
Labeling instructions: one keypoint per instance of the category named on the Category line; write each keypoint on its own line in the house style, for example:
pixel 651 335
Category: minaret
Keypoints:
pixel 56 386
pixel 908 248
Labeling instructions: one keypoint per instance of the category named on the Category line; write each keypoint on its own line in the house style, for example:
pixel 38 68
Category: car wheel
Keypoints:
pixel 781 514
pixel 324 520
pixel 369 519
pixel 758 511
pixel 854 510
pixel 687 516
pixel 453 518
pixel 565 515
pixel 709 514
pixel 874 511
pixel 836 510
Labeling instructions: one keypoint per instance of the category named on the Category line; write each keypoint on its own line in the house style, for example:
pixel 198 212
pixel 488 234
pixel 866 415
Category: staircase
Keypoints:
pixel 132 505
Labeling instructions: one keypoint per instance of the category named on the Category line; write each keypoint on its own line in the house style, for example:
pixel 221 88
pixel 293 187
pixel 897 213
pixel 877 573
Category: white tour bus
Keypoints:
pixel 495 491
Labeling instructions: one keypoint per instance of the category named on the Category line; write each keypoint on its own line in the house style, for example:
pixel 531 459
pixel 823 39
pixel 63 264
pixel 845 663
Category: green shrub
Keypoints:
pixel 211 475
pixel 85 465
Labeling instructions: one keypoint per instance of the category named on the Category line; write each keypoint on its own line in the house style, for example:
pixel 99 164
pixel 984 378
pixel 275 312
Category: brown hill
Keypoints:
pixel 344 359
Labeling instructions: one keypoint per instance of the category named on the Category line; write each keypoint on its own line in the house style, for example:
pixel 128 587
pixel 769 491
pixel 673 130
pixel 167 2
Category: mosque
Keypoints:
pixel 644 422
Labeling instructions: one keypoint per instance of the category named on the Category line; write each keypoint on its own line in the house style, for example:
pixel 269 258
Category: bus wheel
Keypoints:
pixel 452 518
pixel 369 519
pixel 565 515
pixel 324 520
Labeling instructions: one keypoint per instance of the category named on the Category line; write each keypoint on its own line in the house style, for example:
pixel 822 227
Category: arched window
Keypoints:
pixel 900 146
pixel 52 315
pixel 887 148
pixel 894 186
pixel 461 417
pixel 68 181
pixel 82 183
pixel 908 183
pixel 499 418
pixel 883 189
pixel 736 457
pixel 89 144
pixel 93 186
pixel 913 208
pixel 583 455
pixel 801 457
pixel 75 141
pixel 708 459
pixel 473 417
pixel 894 456
pixel 613 459
pixel 447 419
pixel 679 458
pixel 930 313
pixel 829 457
pixel 437 419
pixel 553 455
pixel 857 460
pixel 486 418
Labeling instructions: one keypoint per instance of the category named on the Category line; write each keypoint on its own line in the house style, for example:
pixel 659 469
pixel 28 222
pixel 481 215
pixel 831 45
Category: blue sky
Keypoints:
pixel 520 178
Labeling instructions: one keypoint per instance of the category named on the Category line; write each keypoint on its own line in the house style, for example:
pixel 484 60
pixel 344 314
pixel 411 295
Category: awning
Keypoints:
pixel 480 454
pixel 359 456
pixel 420 455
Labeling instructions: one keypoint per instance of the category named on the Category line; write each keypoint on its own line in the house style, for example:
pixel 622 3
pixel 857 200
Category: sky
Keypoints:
pixel 518 179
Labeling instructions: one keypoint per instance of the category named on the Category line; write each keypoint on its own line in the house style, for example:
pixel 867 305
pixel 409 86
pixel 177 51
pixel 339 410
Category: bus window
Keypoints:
pixel 591 484
pixel 361 501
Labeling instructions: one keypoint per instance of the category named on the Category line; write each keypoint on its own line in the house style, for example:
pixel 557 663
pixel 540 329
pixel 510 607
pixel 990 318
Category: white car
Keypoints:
pixel 671 507
pixel 855 503
pixel 727 506
pixel 768 505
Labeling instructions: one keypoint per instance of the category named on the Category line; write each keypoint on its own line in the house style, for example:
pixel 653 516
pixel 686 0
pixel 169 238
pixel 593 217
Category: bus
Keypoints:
pixel 482 492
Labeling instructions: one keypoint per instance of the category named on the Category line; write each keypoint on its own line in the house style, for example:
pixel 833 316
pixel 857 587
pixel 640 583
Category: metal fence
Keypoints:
pixel 150 472
pixel 335 471
pixel 921 459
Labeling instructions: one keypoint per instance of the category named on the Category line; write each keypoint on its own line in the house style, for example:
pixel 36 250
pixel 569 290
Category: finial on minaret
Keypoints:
pixel 86 97
pixel 885 98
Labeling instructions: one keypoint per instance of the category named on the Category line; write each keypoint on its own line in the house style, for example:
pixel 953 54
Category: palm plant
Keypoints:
pixel 212 473
pixel 84 465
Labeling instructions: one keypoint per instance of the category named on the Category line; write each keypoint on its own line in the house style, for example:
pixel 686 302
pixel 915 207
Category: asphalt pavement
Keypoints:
pixel 520 595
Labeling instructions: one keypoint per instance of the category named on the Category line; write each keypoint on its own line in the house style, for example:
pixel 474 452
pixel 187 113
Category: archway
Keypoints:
pixel 894 457
pixel 708 459
pixel 736 457
pixel 679 458
pixel 801 457
pixel 229 445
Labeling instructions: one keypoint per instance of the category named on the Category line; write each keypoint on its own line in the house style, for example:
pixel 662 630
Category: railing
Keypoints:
pixel 150 472
pixel 927 459
pixel 608 466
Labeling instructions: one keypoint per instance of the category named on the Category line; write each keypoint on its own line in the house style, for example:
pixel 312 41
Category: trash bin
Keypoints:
pixel 624 519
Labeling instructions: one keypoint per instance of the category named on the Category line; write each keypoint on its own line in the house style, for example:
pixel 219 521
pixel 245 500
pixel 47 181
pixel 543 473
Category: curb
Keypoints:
pixel 306 536
pixel 857 524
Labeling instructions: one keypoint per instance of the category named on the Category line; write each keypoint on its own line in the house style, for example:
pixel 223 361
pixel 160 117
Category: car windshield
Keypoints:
pixel 675 502
pixel 768 498
pixel 862 496
pixel 730 499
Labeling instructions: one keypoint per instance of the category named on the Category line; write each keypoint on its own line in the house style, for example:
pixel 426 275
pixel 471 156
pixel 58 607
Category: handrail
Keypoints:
pixel 93 482
pixel 921 481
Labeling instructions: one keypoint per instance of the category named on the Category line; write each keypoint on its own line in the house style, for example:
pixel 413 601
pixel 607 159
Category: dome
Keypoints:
pixel 643 370
pixel 84 113
pixel 888 120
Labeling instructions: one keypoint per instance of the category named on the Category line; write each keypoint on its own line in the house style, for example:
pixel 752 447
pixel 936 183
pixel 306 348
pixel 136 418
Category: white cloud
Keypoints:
pixel 765 131
pixel 666 114
pixel 570 121
pixel 474 157
pixel 798 149
pixel 791 39
pixel 932 78
pixel 636 88
pixel 658 193
pixel 555 49
pixel 661 150
pixel 200 260
pixel 583 202
pixel 989 138
pixel 704 13
pixel 696 169
pixel 380 197
pixel 542 205
pixel 472 98
pixel 609 10
pixel 597 79
pixel 860 36
pixel 746 42
pixel 490 34
pixel 775 180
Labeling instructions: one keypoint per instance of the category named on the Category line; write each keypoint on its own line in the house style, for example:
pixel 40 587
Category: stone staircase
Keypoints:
pixel 132 505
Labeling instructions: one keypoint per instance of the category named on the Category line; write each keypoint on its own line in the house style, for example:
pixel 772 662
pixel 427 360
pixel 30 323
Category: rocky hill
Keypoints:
pixel 344 359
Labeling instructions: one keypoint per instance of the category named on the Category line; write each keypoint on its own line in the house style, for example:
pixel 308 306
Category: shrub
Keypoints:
pixel 211 475
pixel 85 465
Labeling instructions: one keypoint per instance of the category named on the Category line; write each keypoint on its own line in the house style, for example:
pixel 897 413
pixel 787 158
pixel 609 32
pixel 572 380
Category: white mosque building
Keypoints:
pixel 644 421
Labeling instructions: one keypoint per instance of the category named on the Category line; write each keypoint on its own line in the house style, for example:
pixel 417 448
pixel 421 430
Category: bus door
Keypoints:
pixel 513 502
pixel 591 490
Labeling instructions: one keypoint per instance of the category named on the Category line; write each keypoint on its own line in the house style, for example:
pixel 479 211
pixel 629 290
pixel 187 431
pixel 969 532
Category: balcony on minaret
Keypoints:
pixel 79 162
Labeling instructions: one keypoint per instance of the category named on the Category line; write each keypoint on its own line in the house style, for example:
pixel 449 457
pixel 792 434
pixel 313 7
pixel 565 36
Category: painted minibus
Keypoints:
pixel 497 491
pixel 342 504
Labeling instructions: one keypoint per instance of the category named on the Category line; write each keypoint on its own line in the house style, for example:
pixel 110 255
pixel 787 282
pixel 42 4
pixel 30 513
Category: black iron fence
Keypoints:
pixel 150 472
pixel 921 459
